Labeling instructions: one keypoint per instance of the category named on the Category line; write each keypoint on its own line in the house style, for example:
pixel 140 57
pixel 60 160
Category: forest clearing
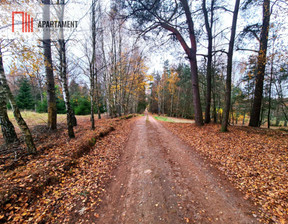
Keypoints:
pixel 143 111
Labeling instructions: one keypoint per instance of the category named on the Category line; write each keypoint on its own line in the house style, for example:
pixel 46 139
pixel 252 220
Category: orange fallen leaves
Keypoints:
pixel 255 160
pixel 52 187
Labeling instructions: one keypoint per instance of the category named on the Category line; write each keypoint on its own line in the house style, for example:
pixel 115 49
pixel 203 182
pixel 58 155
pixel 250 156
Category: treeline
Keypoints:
pixel 171 95
pixel 106 74
pixel 29 97
pixel 215 94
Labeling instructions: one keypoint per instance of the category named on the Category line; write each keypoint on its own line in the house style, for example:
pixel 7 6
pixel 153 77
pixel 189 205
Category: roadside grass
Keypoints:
pixel 33 118
pixel 159 118
pixel 173 120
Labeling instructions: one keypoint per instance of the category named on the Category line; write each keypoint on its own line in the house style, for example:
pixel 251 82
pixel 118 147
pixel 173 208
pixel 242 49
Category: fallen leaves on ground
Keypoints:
pixel 254 159
pixel 66 178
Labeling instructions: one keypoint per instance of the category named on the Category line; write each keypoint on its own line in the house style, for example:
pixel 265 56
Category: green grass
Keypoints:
pixel 167 119
pixel 33 118
pixel 173 120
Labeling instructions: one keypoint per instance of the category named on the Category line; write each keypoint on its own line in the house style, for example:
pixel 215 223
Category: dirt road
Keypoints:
pixel 161 180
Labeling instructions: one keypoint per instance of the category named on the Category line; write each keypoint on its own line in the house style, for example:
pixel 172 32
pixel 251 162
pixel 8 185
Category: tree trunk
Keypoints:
pixel 40 86
pixel 224 126
pixel 196 94
pixel 209 28
pixel 193 63
pixel 20 121
pixel 92 64
pixel 97 96
pixel 63 76
pixel 261 116
pixel 178 102
pixel 214 101
pixel 159 101
pixel 277 118
pixel 270 84
pixel 232 115
pixel 243 122
pixel 191 53
pixel 7 127
pixel 92 101
pixel 51 95
pixel 270 92
pixel 163 100
pixel 258 94
pixel 92 88
pixel 171 105
pixel 66 95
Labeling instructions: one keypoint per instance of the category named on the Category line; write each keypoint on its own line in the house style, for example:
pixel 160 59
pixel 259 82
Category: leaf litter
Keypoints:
pixel 255 161
pixel 66 178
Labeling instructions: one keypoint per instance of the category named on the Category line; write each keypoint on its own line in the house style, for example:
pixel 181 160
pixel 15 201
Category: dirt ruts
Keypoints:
pixel 161 180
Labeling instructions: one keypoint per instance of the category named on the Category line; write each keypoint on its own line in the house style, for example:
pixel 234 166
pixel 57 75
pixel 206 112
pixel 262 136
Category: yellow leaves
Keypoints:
pixel 150 78
pixel 8 206
pixel 250 75
pixel 220 111
pixel 26 61
pixel 186 220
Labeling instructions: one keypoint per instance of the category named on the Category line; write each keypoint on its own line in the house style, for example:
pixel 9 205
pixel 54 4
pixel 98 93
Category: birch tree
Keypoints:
pixel 7 127
pixel 63 73
pixel 51 95
pixel 20 121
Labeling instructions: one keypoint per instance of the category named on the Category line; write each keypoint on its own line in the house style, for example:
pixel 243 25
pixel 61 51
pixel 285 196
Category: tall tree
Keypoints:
pixel 20 121
pixel 92 63
pixel 51 95
pixel 154 14
pixel 63 73
pixel 225 120
pixel 261 63
pixel 93 70
pixel 209 28
pixel 7 127
pixel 271 82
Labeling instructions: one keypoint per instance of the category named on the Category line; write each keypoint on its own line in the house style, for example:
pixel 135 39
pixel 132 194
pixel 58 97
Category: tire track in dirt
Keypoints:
pixel 161 180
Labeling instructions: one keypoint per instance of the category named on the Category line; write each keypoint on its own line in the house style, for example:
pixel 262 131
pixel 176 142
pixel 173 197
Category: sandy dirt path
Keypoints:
pixel 161 180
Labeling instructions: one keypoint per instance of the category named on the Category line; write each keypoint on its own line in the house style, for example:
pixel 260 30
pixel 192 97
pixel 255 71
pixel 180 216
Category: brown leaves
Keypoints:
pixel 55 185
pixel 255 160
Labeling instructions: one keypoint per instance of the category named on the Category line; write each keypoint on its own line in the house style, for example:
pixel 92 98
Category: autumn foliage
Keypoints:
pixel 254 160
pixel 66 178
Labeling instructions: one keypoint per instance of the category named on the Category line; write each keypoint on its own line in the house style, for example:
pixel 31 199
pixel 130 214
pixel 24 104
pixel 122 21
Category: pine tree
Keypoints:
pixel 24 98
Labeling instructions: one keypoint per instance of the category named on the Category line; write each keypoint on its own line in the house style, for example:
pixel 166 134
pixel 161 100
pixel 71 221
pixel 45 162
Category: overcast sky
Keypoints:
pixel 156 55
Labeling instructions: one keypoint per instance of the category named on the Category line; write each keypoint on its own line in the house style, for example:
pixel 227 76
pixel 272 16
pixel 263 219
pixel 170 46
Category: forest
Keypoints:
pixel 213 65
